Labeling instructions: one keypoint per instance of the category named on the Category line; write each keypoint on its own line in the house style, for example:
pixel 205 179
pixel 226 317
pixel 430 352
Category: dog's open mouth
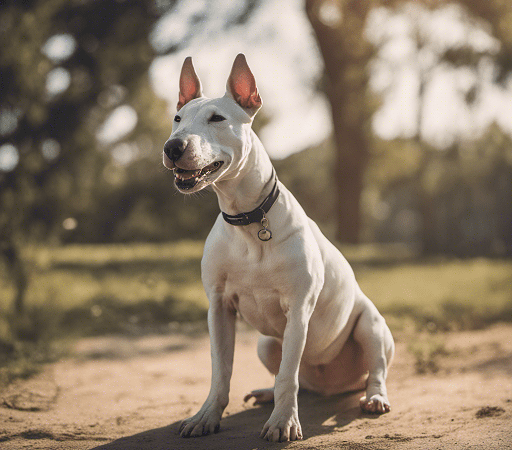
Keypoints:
pixel 187 179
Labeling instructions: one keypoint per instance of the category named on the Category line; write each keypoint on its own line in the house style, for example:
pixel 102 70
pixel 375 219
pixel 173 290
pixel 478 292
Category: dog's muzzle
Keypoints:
pixel 185 179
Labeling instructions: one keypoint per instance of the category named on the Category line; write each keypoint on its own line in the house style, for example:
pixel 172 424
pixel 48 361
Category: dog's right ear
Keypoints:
pixel 190 86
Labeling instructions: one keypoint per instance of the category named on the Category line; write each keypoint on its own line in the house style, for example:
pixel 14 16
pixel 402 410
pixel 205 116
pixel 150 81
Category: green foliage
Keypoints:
pixel 393 162
pixel 449 200
pixel 107 68
pixel 309 176
pixel 498 17
pixel 458 196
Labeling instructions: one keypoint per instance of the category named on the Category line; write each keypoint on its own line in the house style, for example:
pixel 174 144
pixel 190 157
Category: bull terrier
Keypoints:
pixel 265 260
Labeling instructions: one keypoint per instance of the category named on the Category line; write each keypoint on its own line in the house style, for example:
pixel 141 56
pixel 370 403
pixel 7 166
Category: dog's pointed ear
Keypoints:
pixel 241 86
pixel 190 86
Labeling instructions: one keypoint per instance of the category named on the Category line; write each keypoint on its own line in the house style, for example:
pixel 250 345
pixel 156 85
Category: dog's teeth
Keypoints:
pixel 195 175
pixel 186 174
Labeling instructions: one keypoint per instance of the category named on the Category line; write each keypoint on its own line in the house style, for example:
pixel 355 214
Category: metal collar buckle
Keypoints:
pixel 264 234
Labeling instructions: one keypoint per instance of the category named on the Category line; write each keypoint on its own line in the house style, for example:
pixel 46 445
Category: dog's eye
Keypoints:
pixel 217 118
pixel 177 118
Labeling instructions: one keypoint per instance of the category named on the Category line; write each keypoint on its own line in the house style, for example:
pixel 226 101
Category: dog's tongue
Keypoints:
pixel 186 174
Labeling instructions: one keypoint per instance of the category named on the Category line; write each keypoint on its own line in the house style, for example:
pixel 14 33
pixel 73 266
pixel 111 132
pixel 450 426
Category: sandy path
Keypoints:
pixel 124 394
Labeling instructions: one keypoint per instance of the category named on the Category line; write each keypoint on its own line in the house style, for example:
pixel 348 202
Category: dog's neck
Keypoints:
pixel 252 184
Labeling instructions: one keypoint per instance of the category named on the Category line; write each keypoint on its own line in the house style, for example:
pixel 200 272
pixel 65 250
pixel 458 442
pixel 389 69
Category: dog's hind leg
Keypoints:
pixel 372 333
pixel 270 352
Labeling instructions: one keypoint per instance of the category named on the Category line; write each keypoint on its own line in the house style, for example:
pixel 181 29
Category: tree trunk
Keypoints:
pixel 17 271
pixel 339 29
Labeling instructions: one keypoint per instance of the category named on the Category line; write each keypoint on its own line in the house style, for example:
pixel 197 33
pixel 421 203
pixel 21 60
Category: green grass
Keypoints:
pixel 442 294
pixel 131 282
pixel 99 289
pixel 73 275
pixel 85 290
pixel 136 288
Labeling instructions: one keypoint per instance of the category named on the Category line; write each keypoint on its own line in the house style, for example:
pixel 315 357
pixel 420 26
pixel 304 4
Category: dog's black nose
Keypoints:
pixel 174 149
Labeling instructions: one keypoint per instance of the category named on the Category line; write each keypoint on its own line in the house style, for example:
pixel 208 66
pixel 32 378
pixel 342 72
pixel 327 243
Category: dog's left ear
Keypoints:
pixel 241 86
pixel 190 86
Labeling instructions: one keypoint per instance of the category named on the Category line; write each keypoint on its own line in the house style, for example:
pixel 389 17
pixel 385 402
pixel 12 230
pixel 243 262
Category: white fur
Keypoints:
pixel 318 329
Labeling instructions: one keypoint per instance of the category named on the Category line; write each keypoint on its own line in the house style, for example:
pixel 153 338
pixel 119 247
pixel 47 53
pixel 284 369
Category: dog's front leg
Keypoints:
pixel 221 325
pixel 283 424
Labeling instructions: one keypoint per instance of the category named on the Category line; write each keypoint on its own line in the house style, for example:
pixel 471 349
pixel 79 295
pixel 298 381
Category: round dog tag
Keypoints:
pixel 264 234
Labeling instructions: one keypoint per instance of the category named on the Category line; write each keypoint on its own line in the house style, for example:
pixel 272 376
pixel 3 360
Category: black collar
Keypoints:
pixel 256 215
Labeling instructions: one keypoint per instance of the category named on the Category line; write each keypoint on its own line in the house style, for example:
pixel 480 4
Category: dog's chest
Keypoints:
pixel 254 287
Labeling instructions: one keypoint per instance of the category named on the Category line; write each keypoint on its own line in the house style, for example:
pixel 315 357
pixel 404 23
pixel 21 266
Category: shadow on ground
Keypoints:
pixel 318 415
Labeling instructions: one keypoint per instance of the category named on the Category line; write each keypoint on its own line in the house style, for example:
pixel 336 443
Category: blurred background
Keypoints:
pixel 391 122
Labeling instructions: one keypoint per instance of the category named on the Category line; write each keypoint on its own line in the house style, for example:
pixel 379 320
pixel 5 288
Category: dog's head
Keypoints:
pixel 211 138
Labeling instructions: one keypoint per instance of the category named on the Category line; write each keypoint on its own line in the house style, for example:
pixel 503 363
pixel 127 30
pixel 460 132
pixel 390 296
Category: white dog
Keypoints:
pixel 267 261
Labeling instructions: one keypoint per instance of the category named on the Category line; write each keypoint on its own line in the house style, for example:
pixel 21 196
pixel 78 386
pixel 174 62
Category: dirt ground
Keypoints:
pixel 132 393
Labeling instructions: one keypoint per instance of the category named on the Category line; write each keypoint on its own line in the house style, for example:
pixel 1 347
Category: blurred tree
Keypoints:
pixel 497 14
pixel 68 68
pixel 468 186
pixel 64 66
pixel 429 56
pixel 339 28
pixel 308 185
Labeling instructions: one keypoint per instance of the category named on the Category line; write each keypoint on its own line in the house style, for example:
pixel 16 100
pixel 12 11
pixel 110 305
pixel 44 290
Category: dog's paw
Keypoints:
pixel 282 428
pixel 202 424
pixel 377 404
pixel 260 396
